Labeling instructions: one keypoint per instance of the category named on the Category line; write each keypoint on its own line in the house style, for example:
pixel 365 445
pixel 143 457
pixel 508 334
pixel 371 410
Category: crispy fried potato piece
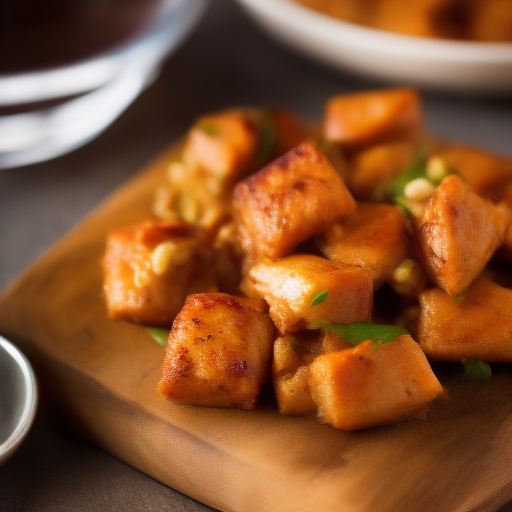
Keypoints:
pixel 150 267
pixel 219 352
pixel 296 196
pixel 458 234
pixel 363 119
pixel 223 144
pixel 374 238
pixel 486 174
pixel 290 368
pixel 373 169
pixel 367 386
pixel 219 150
pixel 476 327
pixel 289 285
pixel 290 374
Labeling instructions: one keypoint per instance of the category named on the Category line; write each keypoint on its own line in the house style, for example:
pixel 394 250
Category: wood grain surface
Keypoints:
pixel 99 376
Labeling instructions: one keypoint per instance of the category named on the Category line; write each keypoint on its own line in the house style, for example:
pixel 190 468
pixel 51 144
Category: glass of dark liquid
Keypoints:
pixel 69 68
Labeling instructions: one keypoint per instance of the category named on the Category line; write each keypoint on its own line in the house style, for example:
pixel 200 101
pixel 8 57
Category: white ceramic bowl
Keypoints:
pixel 18 398
pixel 467 67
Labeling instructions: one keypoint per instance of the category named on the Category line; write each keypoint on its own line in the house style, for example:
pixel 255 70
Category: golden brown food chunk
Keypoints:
pixel 223 144
pixel 296 196
pixel 372 170
pixel 290 284
pixel 290 374
pixel 486 174
pixel 458 234
pixel 366 386
pixel 374 238
pixel 220 149
pixel 362 119
pixel 149 268
pixel 290 368
pixel 219 352
pixel 475 326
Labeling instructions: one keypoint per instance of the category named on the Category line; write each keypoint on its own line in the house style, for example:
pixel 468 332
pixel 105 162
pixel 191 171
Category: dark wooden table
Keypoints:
pixel 227 61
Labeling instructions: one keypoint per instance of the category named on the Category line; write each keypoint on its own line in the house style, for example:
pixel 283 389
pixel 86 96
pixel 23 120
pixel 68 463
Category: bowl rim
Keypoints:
pixel 30 403
pixel 352 34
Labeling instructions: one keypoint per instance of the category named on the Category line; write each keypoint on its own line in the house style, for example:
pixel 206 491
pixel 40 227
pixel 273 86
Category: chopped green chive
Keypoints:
pixel 476 370
pixel 209 128
pixel 358 332
pixel 159 334
pixel 460 297
pixel 319 298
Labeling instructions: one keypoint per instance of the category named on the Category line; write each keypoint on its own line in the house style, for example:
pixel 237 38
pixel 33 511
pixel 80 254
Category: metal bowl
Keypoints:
pixel 18 398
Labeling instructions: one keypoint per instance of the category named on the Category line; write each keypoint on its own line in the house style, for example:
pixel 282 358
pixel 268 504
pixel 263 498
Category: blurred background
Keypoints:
pixel 226 60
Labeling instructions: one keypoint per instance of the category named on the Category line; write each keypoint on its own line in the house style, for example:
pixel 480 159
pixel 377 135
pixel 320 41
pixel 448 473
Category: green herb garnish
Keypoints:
pixel 476 370
pixel 319 298
pixel 159 334
pixel 358 332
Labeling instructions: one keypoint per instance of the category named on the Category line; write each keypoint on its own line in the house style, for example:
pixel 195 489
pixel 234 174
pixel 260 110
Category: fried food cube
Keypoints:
pixel 150 267
pixel 374 238
pixel 370 385
pixel 220 149
pixel 219 352
pixel 491 20
pixel 292 356
pixel 290 284
pixel 486 174
pixel 298 195
pixel 363 119
pixel 290 368
pixel 478 326
pixel 373 169
pixel 223 144
pixel 458 234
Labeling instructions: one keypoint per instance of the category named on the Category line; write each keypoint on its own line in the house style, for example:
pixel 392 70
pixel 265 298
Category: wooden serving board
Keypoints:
pixel 100 375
